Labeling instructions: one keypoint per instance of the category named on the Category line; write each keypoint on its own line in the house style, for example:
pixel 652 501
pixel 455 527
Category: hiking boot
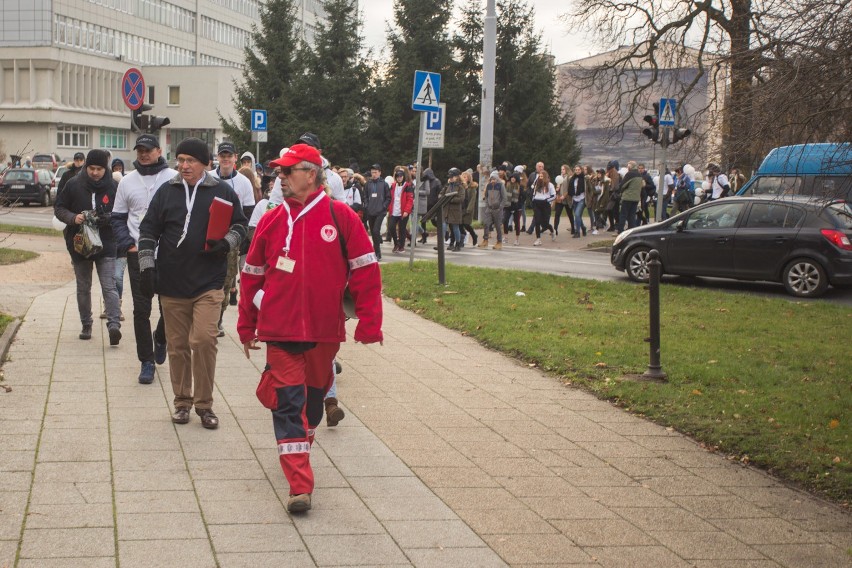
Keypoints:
pixel 160 350
pixel 456 248
pixel 423 238
pixel 146 376
pixel 333 413
pixel 584 231
pixel 475 239
pixel 232 301
pixel 208 419
pixel 86 332
pixel 483 244
pixel 498 246
pixel 114 335
pixel 338 368
pixel 181 416
pixel 299 503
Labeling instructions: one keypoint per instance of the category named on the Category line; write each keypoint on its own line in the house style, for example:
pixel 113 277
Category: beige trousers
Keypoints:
pixel 191 329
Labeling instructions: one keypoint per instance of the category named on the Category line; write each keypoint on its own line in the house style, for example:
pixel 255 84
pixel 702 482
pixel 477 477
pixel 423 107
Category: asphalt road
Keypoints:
pixel 575 263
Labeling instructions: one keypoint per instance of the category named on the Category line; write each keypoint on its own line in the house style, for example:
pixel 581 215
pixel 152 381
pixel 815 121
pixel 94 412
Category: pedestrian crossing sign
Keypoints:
pixel 668 111
pixel 427 91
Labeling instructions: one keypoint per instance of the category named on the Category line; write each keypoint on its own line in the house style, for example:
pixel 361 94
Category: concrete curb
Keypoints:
pixel 7 337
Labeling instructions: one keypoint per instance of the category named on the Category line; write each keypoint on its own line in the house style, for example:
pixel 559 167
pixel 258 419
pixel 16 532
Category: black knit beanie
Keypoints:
pixel 98 158
pixel 194 147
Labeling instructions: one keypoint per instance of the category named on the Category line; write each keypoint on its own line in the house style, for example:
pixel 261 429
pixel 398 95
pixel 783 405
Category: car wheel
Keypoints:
pixel 45 198
pixel 805 278
pixel 636 265
pixel 26 203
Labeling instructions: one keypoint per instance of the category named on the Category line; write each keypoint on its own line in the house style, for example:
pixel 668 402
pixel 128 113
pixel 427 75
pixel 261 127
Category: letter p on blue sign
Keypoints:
pixel 258 120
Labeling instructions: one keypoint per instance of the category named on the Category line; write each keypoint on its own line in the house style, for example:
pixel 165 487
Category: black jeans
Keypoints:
pixel 375 222
pixel 396 229
pixel 541 211
pixel 557 214
pixel 142 313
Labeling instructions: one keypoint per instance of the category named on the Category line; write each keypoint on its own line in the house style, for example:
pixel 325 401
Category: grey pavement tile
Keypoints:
pixel 15 481
pixel 733 475
pixel 433 534
pixel 636 557
pixel 57 516
pixel 603 532
pixel 721 507
pixel 19 442
pixel 768 531
pixel 145 441
pixel 409 508
pixel 153 480
pixel 467 557
pixel 67 543
pixel 64 409
pixel 539 486
pixel 17 427
pixel 705 545
pixel 806 555
pixel 447 457
pixel 194 553
pixel 281 537
pixel 76 421
pixel 264 560
pixel 537 549
pixel 568 507
pixel 16 460
pixel 209 490
pixel 341 447
pixel 78 386
pixel 147 460
pixel 118 404
pixel 587 431
pixel 638 467
pixel 12 506
pixel 505 521
pixel 244 512
pixel 225 469
pixel 337 498
pixel 502 449
pixel 735 564
pixel 616 449
pixel 86 472
pixel 454 477
pixel 582 458
pixel 262 426
pixel 667 443
pixel 528 467
pixel 525 428
pixel 142 414
pixel 639 427
pixel 480 434
pixel 156 502
pixel 389 487
pixel 77 397
pixel 681 485
pixel 651 519
pixel 627 497
pixel 69 449
pixel 88 562
pixel 354 550
pixel 371 466
pixel 159 526
pixel 594 476
pixel 57 493
pixel 323 477
pixel 342 521
pixel 479 498
pixel 540 441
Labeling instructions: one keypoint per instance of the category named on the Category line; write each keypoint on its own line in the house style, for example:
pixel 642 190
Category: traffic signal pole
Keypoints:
pixel 661 180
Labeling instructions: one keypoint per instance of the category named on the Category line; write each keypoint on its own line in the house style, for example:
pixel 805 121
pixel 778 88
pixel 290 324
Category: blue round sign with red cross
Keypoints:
pixel 133 89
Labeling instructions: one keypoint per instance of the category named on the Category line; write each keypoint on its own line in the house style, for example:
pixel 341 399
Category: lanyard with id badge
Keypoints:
pixel 190 201
pixel 286 263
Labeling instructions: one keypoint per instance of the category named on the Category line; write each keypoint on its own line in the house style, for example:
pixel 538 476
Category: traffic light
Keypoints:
pixel 653 120
pixel 679 134
pixel 137 119
pixel 155 123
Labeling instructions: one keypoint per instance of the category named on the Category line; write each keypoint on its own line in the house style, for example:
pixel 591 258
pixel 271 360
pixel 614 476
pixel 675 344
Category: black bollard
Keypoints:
pixel 655 371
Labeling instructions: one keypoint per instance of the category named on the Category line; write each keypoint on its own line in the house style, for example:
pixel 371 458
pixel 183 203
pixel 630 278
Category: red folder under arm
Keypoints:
pixel 221 213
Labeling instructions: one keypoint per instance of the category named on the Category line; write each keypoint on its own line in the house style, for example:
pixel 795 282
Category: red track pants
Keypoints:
pixel 293 387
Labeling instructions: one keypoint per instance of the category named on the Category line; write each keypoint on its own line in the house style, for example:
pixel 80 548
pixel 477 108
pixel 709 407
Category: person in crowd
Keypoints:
pixel 532 189
pixel 471 196
pixel 512 212
pixel 284 302
pixel 613 210
pixel 649 191
pixel 117 166
pixel 577 190
pixel 683 197
pixel 89 198
pixel 602 190
pixel 631 193
pixel 543 196
pixel 352 190
pixel 400 207
pixel 719 185
pixel 563 201
pixel 189 274
pixel 378 200
pixel 454 209
pixel 591 197
pixel 131 202
pixel 333 181
pixel 736 180
pixel 73 169
pixel 433 193
pixel 495 196
pixel 524 197
pixel 242 186
pixel 668 191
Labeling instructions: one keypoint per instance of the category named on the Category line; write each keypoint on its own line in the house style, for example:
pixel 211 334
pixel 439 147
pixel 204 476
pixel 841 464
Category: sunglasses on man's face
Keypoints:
pixel 288 170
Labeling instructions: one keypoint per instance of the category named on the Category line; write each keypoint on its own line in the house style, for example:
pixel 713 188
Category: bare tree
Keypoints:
pixel 774 71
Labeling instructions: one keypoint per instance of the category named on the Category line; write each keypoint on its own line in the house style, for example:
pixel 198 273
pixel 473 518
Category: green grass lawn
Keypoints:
pixel 4 322
pixel 7 228
pixel 14 256
pixel 767 381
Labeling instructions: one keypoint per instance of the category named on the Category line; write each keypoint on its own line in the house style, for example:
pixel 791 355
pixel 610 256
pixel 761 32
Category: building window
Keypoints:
pixel 174 95
pixel 113 139
pixel 150 94
pixel 72 136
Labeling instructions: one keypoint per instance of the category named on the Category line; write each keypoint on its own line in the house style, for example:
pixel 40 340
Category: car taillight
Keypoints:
pixel 837 238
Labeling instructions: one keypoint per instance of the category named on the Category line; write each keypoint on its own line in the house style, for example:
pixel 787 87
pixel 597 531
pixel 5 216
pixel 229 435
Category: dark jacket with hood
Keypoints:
pixel 631 186
pixel 66 177
pixel 82 193
pixel 434 190
pixel 378 197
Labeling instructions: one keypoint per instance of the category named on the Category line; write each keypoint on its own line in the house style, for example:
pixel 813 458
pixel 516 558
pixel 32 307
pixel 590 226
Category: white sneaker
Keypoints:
pixel 537 243
pixel 516 242
pixel 553 237
pixel 505 240
pixel 595 232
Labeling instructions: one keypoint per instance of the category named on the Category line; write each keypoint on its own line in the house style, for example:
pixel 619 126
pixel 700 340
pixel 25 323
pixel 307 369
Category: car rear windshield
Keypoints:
pixel 842 211
pixel 25 176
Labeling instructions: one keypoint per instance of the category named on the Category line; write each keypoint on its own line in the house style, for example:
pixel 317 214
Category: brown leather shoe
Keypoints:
pixel 299 503
pixel 333 413
pixel 181 416
pixel 208 419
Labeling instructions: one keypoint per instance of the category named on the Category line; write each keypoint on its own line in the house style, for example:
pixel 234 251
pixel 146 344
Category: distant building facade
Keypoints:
pixel 62 62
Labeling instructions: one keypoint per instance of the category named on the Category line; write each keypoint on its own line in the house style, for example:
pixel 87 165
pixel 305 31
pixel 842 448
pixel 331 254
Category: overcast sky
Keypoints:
pixel 377 13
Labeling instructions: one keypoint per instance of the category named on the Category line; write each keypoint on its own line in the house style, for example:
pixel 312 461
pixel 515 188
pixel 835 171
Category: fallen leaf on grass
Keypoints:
pixel 722 309
pixel 450 292
pixel 837 459
pixel 697 392
pixel 834 423
pixel 601 365
pixel 712 362
pixel 531 365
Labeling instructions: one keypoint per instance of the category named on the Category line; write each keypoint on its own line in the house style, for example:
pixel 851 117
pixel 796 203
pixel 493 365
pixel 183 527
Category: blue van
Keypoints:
pixel 804 169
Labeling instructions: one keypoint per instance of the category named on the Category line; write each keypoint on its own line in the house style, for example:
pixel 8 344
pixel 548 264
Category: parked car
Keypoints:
pixel 23 185
pixel 46 162
pixel 801 242
pixel 55 183
pixel 804 169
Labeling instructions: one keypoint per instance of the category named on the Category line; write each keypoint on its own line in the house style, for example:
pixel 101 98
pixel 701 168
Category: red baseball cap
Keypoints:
pixel 298 153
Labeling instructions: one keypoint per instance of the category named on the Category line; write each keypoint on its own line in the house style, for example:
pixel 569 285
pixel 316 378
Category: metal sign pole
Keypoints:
pixel 416 195
pixel 661 180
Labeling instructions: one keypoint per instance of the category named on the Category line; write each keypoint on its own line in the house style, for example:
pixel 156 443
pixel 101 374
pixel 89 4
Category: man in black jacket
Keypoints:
pixel 189 274
pixel 89 197
pixel 378 199
pixel 73 170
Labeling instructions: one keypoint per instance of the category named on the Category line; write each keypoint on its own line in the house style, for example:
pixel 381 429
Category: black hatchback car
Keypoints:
pixel 802 242
pixel 23 185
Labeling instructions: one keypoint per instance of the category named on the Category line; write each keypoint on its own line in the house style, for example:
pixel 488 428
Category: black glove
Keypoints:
pixel 148 282
pixel 103 219
pixel 219 248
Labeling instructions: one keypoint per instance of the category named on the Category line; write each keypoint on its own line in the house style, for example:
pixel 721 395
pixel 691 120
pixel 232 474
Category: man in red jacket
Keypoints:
pixel 301 258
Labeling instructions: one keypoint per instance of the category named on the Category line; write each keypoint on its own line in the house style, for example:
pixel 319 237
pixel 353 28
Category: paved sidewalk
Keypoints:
pixel 450 455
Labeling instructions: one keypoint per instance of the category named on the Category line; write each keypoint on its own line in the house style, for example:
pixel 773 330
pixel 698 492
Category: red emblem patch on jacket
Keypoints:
pixel 105 200
pixel 328 233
